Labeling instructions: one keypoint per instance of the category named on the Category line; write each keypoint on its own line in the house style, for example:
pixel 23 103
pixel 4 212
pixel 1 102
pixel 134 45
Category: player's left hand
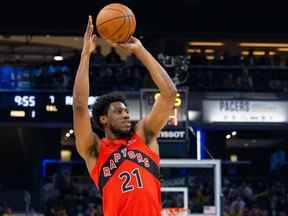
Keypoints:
pixel 89 39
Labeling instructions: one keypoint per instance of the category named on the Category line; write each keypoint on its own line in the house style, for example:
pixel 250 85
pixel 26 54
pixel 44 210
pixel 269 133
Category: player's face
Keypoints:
pixel 118 118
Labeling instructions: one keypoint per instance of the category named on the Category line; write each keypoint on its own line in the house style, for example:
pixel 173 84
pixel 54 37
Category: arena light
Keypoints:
pixel 258 53
pixel 283 49
pixel 228 136
pixel 262 53
pixel 58 58
pixel 65 155
pixel 266 45
pixel 200 144
pixel 202 43
pixel 198 135
pixel 245 53
pixel 209 51
pixel 210 58
pixel 67 135
pixel 233 158
pixel 194 51
pixel 271 53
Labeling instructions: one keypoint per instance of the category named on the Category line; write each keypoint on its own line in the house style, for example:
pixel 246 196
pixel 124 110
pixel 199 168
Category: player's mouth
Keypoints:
pixel 126 123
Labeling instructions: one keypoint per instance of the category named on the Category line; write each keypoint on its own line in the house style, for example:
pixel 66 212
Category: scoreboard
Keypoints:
pixel 37 106
pixel 56 107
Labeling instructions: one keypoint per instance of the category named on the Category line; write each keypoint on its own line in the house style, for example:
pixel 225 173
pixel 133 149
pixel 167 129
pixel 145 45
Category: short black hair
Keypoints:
pixel 101 106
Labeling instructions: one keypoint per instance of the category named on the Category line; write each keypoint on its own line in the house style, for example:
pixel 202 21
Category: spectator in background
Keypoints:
pixel 245 81
pixel 5 210
pixel 229 82
pixel 250 58
pixel 49 192
pixel 60 211
pixel 238 205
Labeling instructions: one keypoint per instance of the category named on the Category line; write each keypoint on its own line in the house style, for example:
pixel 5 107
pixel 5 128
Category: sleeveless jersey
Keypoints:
pixel 127 174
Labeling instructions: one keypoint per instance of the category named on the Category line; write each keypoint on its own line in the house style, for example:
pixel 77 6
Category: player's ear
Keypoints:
pixel 103 120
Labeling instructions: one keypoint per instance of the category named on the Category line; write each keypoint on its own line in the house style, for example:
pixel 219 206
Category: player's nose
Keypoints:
pixel 126 115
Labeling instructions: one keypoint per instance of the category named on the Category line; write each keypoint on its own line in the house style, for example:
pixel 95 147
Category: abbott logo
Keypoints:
pixel 172 134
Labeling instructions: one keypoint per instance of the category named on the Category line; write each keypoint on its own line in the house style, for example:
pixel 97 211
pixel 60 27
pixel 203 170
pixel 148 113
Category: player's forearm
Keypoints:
pixel 158 73
pixel 81 84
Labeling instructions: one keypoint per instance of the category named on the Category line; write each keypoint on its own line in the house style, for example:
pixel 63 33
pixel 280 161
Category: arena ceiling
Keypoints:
pixel 181 17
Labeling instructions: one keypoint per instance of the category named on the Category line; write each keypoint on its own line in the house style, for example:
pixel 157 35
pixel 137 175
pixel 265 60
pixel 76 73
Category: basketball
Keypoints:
pixel 116 22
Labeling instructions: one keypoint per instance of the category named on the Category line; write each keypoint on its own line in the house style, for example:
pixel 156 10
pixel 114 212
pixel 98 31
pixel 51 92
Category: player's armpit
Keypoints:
pixel 85 138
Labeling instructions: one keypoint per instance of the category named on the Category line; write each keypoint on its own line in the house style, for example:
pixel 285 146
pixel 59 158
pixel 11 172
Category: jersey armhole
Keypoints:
pixel 154 154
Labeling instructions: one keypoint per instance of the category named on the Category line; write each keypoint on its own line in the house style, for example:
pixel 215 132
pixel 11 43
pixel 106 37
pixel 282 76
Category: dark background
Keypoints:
pixel 188 17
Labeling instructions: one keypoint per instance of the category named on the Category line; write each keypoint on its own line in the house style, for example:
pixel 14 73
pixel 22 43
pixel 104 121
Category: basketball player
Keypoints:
pixel 124 164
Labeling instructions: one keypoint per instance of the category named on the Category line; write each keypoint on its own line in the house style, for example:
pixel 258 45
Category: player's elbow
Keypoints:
pixel 82 151
pixel 78 106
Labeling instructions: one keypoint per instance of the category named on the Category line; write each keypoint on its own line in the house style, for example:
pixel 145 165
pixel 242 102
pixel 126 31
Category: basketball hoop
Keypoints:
pixel 174 211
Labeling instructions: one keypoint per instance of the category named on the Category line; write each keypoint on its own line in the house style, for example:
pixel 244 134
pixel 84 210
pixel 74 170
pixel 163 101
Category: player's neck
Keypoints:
pixel 114 135
pixel 110 135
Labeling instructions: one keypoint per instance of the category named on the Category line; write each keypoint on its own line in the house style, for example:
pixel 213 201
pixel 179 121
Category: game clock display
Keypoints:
pixel 36 107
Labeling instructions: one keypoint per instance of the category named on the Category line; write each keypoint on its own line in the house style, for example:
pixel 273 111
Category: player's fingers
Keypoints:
pixel 132 38
pixel 126 47
pixel 88 25
pixel 122 45
pixel 94 37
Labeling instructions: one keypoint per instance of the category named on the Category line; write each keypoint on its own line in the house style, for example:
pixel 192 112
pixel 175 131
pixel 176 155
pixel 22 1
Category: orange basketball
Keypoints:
pixel 116 22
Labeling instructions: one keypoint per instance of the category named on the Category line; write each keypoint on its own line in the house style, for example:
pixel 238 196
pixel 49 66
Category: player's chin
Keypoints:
pixel 126 129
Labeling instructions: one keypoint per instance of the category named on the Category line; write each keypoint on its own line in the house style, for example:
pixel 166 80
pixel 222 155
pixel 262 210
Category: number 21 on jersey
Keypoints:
pixel 126 178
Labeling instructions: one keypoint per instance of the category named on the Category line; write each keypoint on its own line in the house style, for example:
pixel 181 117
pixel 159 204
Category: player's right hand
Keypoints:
pixel 131 46
pixel 89 39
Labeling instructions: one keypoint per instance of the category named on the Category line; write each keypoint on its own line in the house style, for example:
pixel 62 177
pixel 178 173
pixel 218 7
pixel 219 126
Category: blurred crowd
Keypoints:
pixel 198 71
pixel 5 210
pixel 63 195
pixel 255 197
pixel 46 76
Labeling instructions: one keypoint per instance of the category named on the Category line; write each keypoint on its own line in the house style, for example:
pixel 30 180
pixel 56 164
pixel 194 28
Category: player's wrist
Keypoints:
pixel 85 53
pixel 139 50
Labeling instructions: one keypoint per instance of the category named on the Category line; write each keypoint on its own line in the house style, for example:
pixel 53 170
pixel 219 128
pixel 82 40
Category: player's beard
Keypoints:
pixel 122 134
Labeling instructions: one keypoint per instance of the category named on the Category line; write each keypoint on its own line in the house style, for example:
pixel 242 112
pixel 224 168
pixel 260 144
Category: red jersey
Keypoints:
pixel 127 174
